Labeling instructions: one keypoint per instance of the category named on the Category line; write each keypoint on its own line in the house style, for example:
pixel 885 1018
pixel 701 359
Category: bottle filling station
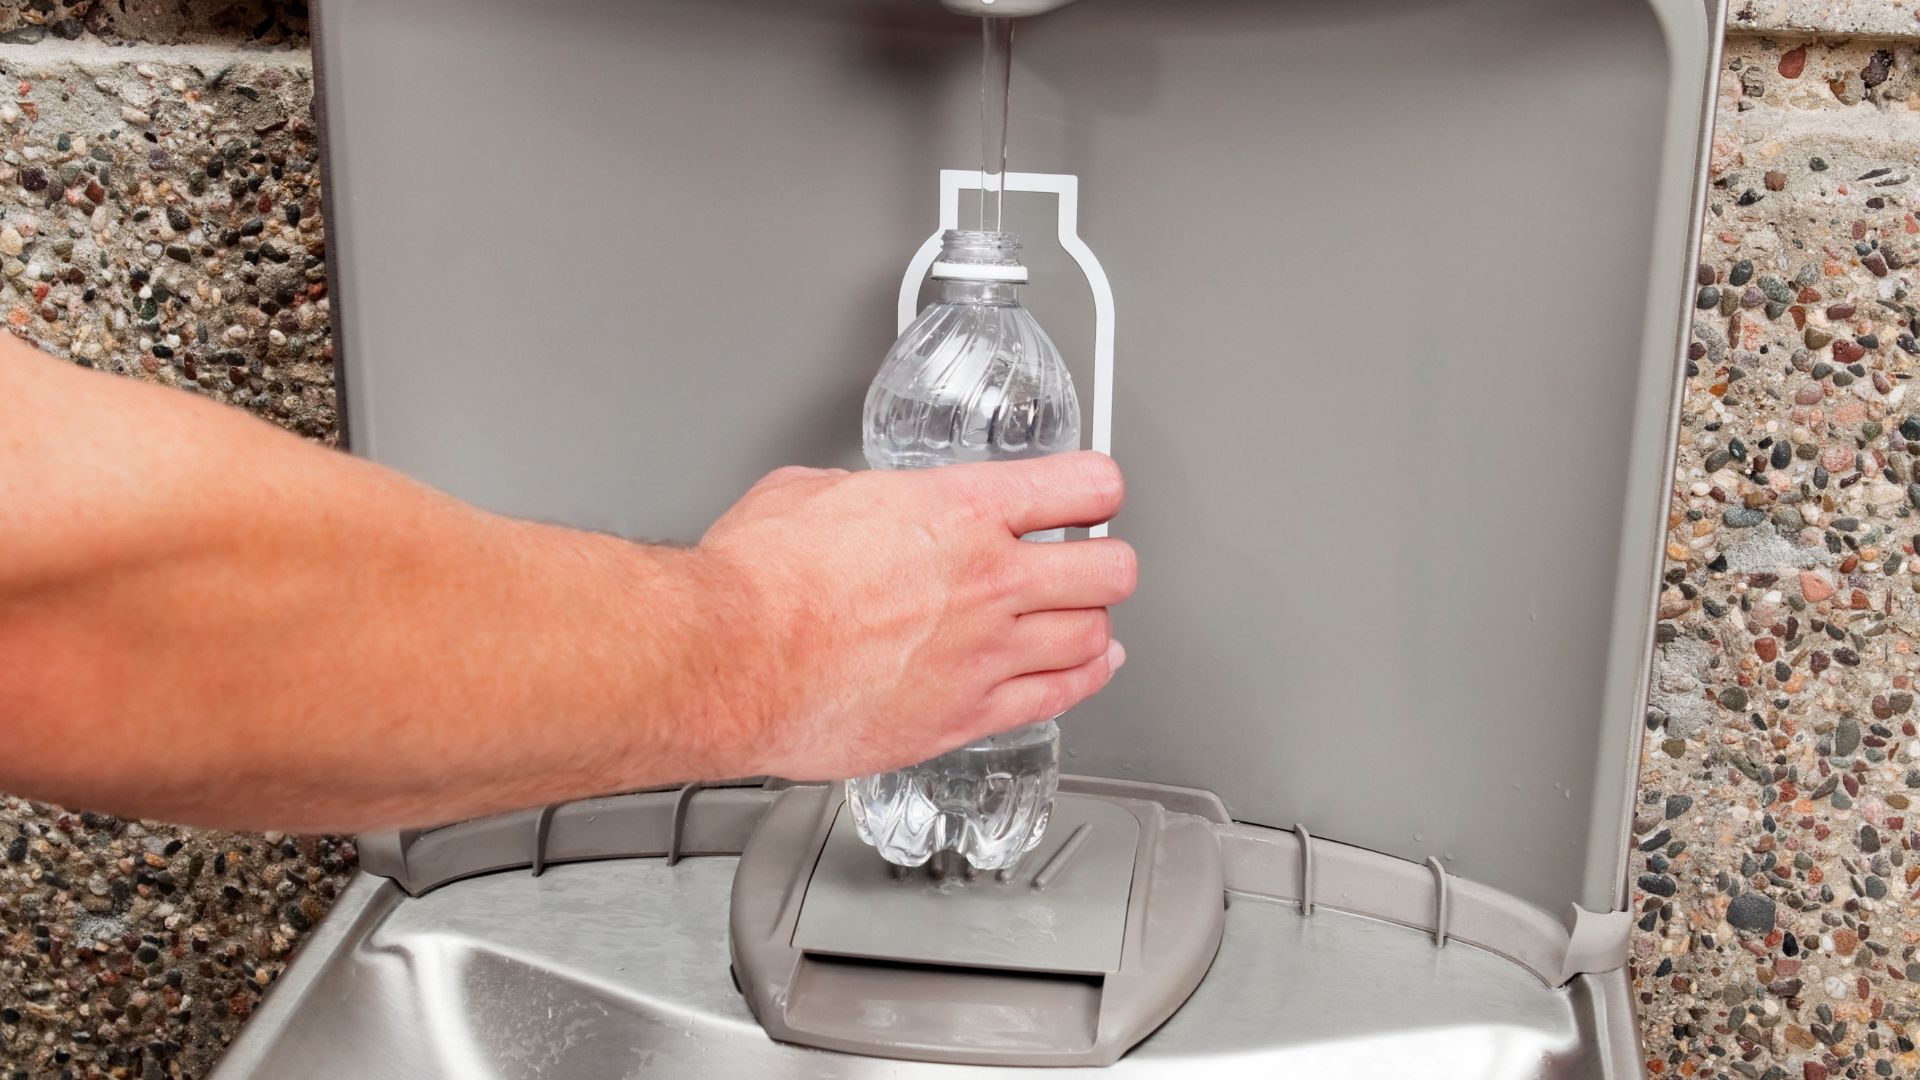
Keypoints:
pixel 1380 304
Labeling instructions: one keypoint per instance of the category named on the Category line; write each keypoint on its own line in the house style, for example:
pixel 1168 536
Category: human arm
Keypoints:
pixel 207 620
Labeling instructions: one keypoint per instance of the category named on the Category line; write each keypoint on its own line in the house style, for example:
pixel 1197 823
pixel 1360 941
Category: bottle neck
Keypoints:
pixel 979 292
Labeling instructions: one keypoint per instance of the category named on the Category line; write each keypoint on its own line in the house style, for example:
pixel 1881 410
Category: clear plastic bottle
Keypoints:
pixel 974 378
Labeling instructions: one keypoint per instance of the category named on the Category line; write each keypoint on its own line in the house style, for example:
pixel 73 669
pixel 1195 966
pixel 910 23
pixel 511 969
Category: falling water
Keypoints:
pixel 996 71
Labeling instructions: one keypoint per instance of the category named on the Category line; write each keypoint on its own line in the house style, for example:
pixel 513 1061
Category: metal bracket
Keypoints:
pixel 1598 941
pixel 1440 896
pixel 1306 868
pixel 385 853
pixel 1067 188
pixel 681 799
pixel 542 825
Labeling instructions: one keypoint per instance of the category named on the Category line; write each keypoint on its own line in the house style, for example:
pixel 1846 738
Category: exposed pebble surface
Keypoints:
pixel 163 220
pixel 159 220
pixel 1778 824
pixel 135 950
pixel 266 22
pixel 1882 18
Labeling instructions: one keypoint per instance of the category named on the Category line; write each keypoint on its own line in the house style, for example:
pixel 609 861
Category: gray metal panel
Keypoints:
pixel 1393 369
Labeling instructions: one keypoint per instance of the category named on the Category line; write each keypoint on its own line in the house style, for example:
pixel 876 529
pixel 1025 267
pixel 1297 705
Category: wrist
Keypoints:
pixel 726 666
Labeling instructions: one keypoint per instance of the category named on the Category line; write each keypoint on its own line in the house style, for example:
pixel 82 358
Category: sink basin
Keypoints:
pixel 619 968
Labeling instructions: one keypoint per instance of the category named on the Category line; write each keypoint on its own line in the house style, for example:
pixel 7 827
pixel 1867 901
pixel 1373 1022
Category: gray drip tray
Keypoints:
pixel 619 968
pixel 1071 957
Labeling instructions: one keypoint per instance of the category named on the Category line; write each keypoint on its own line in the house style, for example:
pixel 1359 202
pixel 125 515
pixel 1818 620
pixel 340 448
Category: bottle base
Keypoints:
pixel 989 801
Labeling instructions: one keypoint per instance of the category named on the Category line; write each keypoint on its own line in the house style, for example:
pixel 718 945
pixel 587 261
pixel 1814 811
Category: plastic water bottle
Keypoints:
pixel 974 378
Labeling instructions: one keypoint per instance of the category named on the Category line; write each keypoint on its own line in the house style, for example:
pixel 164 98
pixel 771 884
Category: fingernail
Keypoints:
pixel 1116 656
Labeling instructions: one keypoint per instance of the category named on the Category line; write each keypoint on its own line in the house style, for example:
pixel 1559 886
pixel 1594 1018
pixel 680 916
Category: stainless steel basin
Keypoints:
pixel 619 968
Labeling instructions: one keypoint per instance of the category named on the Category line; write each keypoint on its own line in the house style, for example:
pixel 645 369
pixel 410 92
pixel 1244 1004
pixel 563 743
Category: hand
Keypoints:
pixel 900 615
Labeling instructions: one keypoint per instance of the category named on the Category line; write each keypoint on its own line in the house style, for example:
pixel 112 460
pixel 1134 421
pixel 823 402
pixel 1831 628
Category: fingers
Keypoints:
pixel 1043 695
pixel 1073 574
pixel 1056 640
pixel 1054 492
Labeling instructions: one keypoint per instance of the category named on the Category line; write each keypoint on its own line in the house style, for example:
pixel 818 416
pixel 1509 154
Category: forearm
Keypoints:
pixel 207 620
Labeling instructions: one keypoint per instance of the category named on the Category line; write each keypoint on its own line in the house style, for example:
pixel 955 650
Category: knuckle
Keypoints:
pixel 1107 567
pixel 1129 569
pixel 1002 576
pixel 787 474
pixel 1125 569
pixel 998 490
pixel 1100 474
pixel 1066 689
pixel 976 495
pixel 978 672
pixel 1049 702
pixel 1095 634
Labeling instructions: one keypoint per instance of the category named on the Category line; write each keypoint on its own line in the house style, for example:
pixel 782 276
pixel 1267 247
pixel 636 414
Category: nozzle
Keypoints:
pixel 1003 9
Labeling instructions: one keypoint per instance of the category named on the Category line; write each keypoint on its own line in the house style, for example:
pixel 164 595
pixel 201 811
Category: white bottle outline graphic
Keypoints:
pixel 1066 188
